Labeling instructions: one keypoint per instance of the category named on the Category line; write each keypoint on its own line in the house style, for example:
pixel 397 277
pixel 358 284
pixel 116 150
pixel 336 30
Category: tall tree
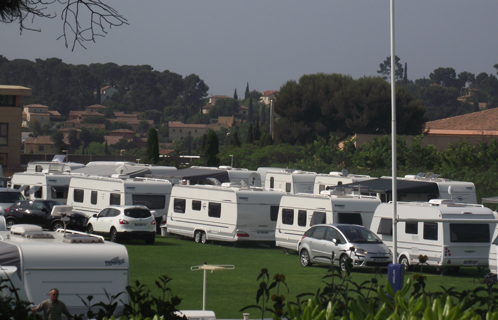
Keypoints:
pixel 211 149
pixel 250 112
pixel 58 139
pixel 250 138
pixel 152 152
pixel 385 69
pixel 246 94
pixel 235 96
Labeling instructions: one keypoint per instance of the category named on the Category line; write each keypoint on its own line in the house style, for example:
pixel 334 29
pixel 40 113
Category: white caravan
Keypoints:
pixel 291 182
pixel 78 264
pixel 493 265
pixel 90 194
pixel 328 181
pixel 42 185
pixel 198 174
pixel 297 213
pixel 450 234
pixel 223 213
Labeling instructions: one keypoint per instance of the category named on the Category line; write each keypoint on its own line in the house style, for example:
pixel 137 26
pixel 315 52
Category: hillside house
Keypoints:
pixel 179 130
pixel 36 112
pixel 267 96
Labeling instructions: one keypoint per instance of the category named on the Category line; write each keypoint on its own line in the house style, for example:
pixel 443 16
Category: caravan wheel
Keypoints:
pixel 203 237
pixel 10 222
pixel 197 236
pixel 404 260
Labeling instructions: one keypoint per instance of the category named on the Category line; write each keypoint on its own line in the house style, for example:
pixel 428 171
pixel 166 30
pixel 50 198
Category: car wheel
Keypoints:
pixel 57 225
pixel 10 222
pixel 203 237
pixel 404 260
pixel 342 262
pixel 89 229
pixel 150 240
pixel 114 235
pixel 197 236
pixel 305 258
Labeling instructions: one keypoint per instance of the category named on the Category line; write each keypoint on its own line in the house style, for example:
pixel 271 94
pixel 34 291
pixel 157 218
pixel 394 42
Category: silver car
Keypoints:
pixel 327 243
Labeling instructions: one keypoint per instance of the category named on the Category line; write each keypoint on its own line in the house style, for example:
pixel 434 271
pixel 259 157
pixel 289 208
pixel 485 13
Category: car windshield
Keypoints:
pixel 137 213
pixel 357 234
pixel 10 196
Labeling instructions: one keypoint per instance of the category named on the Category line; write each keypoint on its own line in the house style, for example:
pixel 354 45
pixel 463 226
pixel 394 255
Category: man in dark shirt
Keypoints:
pixel 52 308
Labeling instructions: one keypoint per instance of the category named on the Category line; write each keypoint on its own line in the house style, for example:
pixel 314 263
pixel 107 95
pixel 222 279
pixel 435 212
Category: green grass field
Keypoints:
pixel 230 290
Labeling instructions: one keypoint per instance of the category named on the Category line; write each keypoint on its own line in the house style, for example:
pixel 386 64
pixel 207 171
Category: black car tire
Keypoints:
pixel 342 262
pixel 114 235
pixel 57 225
pixel 9 222
pixel 304 256
pixel 89 229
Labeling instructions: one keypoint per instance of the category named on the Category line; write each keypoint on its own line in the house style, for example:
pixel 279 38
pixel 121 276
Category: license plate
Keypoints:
pixel 262 232
pixel 380 259
pixel 139 224
pixel 470 262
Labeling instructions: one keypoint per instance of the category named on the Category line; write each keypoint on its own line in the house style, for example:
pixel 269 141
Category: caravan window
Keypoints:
pixel 350 218
pixel 153 202
pixel 274 213
pixel 179 205
pixel 430 230
pixel 78 195
pixel 196 205
pixel 301 218
pixel 318 218
pixel 469 232
pixel 214 210
pixel 93 197
pixel 39 193
pixel 59 192
pixel 272 182
pixel 287 216
pixel 411 227
pixel 114 199
pixel 385 227
pixel 287 187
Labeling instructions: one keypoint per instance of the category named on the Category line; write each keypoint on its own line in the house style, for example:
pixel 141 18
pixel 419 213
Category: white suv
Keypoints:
pixel 124 222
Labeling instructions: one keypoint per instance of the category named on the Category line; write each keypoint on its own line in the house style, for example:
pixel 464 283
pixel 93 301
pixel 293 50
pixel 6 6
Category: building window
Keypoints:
pixel 7 101
pixel 4 134
pixel 41 148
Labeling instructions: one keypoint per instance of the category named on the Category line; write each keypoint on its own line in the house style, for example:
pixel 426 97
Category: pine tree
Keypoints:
pixel 152 152
pixel 212 149
pixel 235 96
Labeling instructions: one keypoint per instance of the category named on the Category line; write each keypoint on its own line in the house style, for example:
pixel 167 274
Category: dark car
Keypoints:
pixel 39 212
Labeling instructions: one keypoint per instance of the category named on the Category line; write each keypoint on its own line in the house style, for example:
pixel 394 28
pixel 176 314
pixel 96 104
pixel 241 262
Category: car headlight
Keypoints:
pixel 361 251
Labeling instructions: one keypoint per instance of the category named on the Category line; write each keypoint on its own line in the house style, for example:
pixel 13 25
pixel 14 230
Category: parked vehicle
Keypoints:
pixel 41 213
pixel 335 243
pixel 78 264
pixel 223 213
pixel 297 213
pixel 328 181
pixel 42 185
pixel 291 182
pixel 124 222
pixel 8 197
pixel 450 234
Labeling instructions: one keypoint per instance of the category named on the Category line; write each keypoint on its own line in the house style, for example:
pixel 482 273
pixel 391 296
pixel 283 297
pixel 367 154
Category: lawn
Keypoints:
pixel 230 290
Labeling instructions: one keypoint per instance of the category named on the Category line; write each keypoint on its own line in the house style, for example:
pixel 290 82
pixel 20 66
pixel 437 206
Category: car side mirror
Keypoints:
pixel 336 241
pixel 95 216
pixel 45 210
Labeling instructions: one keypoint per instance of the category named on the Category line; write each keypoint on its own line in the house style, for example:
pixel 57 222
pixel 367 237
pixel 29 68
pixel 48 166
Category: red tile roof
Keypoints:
pixel 268 92
pixel 39 140
pixel 476 123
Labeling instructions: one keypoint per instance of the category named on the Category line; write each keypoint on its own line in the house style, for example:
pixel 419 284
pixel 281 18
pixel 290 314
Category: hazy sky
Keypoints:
pixel 269 42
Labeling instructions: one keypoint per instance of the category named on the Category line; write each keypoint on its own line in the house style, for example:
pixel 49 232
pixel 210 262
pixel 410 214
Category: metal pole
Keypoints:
pixel 204 292
pixel 393 138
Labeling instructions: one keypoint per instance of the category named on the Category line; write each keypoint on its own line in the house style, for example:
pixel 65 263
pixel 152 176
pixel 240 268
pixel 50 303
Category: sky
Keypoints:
pixel 229 43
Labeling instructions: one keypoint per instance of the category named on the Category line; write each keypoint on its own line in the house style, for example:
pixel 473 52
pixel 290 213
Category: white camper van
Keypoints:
pixel 325 181
pixel 90 194
pixel 77 264
pixel 450 234
pixel 299 212
pixel 42 185
pixel 291 182
pixel 223 213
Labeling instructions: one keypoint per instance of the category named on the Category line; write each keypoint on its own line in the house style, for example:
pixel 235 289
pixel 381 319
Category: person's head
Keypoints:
pixel 54 294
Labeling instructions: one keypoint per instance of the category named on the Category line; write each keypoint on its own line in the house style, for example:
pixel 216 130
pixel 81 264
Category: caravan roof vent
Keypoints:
pixel 37 235
pixel 82 238
pixel 438 202
pixel 336 174
pixel 20 229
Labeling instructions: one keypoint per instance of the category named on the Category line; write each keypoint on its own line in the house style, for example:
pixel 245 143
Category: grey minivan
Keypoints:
pixel 334 243
pixel 7 198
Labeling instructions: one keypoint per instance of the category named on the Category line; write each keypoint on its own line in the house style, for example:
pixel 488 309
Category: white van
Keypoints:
pixel 450 234
pixel 78 264
pixel 42 185
pixel 291 182
pixel 223 213
pixel 297 213
pixel 91 194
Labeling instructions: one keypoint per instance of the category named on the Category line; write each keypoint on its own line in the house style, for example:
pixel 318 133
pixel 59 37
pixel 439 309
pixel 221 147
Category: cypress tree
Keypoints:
pixel 250 111
pixel 212 149
pixel 249 134
pixel 246 95
pixel 257 132
pixel 235 96
pixel 152 152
